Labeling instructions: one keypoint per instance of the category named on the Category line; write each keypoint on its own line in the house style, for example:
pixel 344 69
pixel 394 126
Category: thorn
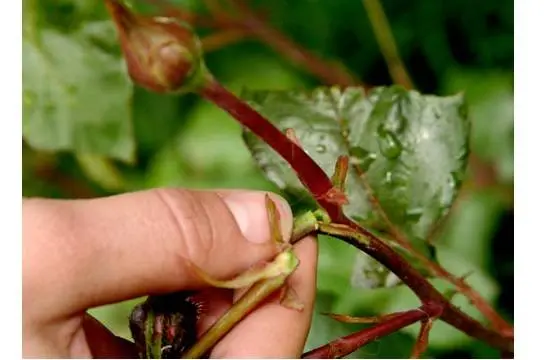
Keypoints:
pixel 340 172
pixel 290 299
pixel 336 196
pixel 360 319
pixel 274 220
pixel 468 274
pixel 451 293
pixel 422 340
pixel 291 135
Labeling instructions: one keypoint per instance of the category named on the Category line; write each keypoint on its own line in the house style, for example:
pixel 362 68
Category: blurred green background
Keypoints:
pixel 448 46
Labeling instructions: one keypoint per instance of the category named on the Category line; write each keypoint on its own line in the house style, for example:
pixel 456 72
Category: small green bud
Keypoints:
pixel 162 54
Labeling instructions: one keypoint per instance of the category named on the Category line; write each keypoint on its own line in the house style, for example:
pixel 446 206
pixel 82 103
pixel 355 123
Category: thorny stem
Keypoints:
pixel 346 345
pixel 437 270
pixel 319 184
pixel 384 37
pixel 384 254
pixel 311 175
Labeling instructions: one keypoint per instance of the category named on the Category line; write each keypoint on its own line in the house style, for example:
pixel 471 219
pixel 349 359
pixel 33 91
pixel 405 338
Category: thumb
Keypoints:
pixel 83 253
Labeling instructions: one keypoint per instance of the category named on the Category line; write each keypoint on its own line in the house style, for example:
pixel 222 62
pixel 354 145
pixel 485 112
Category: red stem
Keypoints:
pixel 346 345
pixel 425 291
pixel 309 173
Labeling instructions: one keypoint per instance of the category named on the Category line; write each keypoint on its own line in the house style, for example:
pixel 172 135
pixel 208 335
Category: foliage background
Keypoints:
pixel 77 105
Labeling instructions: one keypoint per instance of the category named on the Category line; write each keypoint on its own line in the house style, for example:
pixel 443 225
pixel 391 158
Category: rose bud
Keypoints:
pixel 162 54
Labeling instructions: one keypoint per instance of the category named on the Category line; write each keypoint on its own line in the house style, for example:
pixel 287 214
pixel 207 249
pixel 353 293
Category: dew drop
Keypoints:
pixel 345 132
pixel 367 161
pixel 321 148
pixel 414 214
pixel 396 179
pixel 448 191
pixel 362 158
pixel 389 145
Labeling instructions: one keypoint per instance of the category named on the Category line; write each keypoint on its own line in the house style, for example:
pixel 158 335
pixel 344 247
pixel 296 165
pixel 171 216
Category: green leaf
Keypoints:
pixel 490 97
pixel 470 229
pixel 115 316
pixel 76 96
pixel 370 274
pixel 410 149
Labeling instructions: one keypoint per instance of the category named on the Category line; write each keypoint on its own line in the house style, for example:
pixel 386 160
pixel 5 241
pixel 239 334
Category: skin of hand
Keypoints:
pixel 79 254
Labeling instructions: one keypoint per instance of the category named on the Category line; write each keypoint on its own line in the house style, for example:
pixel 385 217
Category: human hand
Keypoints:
pixel 78 254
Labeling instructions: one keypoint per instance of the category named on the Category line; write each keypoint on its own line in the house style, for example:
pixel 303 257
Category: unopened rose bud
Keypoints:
pixel 161 54
pixel 164 326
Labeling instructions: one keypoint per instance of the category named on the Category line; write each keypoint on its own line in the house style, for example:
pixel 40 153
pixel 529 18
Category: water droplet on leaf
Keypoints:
pixel 345 132
pixel 362 158
pixel 367 161
pixel 321 148
pixel 448 191
pixel 414 214
pixel 396 179
pixel 389 145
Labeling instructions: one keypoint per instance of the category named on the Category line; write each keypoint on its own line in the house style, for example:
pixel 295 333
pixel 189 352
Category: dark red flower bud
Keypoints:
pixel 162 54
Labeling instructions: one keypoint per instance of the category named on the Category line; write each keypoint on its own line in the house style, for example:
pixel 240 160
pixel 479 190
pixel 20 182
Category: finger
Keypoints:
pixel 82 253
pixel 273 331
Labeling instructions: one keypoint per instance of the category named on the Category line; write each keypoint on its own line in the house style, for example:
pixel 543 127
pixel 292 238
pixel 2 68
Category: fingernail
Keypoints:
pixel 250 213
